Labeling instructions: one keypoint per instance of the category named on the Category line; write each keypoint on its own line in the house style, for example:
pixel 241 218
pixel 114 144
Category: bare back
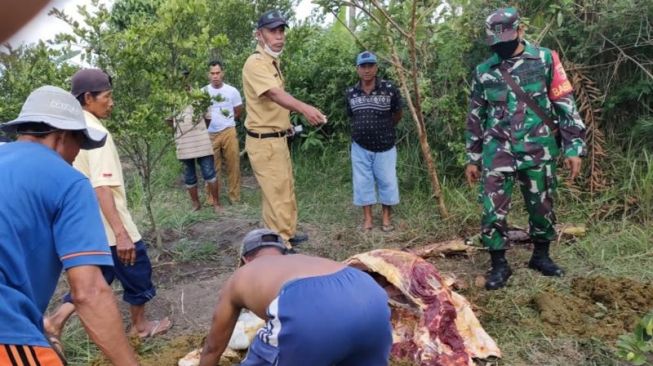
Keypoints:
pixel 256 284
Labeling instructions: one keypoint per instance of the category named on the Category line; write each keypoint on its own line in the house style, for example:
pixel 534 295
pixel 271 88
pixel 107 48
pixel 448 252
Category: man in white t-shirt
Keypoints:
pixel 226 109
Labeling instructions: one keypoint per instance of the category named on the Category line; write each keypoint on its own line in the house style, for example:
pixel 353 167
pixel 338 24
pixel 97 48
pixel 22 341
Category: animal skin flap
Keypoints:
pixel 432 325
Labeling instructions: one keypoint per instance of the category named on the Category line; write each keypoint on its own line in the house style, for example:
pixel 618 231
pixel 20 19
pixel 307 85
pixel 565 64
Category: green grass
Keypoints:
pixel 78 347
pixel 510 317
pixel 618 244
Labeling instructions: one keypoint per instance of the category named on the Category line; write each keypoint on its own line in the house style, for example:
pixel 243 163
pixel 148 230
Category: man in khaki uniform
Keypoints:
pixel 268 123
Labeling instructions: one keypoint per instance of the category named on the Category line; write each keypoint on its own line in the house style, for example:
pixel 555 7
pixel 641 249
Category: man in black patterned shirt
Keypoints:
pixel 374 106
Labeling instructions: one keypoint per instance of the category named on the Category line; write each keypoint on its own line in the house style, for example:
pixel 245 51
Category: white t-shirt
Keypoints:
pixel 222 113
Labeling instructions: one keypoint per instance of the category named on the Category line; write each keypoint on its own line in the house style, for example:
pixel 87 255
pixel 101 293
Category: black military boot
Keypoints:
pixel 498 275
pixel 540 261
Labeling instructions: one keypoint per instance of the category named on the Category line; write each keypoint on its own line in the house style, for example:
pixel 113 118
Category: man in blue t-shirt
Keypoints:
pixel 49 220
pixel 374 106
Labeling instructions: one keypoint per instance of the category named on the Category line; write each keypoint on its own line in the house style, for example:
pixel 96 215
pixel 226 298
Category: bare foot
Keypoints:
pixel 153 328
pixel 217 209
pixel 53 335
pixel 50 329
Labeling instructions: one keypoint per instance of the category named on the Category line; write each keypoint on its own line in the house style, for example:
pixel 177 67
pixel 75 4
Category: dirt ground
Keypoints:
pixel 596 307
pixel 187 291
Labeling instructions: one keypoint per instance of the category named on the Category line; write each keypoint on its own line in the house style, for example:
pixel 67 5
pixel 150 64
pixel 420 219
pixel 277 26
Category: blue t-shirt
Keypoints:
pixel 49 220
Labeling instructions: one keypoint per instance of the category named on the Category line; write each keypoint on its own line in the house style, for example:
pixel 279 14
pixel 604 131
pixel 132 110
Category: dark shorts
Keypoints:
pixel 136 280
pixel 206 167
pixel 339 319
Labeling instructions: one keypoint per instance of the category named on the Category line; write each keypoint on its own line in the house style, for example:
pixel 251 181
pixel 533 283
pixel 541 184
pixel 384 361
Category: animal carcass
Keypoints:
pixel 432 325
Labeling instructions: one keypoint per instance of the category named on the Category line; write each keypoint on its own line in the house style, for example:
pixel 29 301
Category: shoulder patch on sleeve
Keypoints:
pixel 560 85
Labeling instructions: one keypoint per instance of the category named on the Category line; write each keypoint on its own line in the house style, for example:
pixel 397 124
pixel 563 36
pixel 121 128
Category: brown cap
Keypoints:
pixel 90 80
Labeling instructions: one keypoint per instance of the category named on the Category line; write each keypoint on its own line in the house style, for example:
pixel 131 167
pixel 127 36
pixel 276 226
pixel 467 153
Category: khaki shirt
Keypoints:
pixel 103 168
pixel 260 74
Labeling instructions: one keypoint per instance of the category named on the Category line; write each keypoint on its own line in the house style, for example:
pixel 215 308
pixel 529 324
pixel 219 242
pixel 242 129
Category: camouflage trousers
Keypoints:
pixel 537 185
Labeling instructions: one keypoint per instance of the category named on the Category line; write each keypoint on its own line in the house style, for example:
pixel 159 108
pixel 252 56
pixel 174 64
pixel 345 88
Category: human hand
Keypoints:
pixel 126 249
pixel 472 173
pixel 314 116
pixel 573 164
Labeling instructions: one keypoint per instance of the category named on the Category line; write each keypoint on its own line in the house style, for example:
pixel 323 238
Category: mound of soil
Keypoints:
pixel 596 307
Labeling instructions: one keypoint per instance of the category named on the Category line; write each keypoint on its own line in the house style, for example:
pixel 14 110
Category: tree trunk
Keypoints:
pixel 418 118
pixel 351 19
pixel 413 101
pixel 147 185
pixel 415 105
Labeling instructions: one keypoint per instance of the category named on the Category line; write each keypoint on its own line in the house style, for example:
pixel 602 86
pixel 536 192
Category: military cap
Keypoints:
pixel 502 26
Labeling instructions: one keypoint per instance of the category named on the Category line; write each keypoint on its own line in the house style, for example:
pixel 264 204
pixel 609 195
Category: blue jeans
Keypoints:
pixel 136 280
pixel 206 165
pixel 374 171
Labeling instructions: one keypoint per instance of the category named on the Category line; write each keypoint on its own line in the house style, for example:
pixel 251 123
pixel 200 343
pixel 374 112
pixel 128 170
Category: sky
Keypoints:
pixel 44 27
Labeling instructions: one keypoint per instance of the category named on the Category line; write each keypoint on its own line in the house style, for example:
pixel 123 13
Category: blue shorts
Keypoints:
pixel 206 166
pixel 374 171
pixel 136 280
pixel 338 319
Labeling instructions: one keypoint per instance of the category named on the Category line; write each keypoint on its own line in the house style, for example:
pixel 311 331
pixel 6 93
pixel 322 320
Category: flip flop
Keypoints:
pixel 364 229
pixel 388 228
pixel 157 329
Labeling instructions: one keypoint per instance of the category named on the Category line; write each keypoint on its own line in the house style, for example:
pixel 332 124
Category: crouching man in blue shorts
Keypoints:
pixel 318 312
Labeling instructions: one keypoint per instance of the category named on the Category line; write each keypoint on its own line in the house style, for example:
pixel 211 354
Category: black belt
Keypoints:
pixel 267 134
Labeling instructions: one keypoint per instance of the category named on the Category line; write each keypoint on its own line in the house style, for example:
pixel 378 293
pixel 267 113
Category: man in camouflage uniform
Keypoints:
pixel 507 141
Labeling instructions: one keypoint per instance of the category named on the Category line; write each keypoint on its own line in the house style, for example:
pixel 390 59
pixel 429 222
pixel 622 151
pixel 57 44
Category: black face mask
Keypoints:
pixel 506 49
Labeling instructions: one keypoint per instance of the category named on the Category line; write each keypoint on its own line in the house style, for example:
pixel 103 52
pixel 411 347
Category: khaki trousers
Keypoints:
pixel 270 161
pixel 226 149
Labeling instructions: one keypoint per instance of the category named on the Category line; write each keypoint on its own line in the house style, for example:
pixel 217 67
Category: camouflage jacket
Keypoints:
pixel 502 133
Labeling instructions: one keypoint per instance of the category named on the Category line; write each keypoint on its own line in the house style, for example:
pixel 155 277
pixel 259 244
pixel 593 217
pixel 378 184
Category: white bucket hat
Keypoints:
pixel 57 108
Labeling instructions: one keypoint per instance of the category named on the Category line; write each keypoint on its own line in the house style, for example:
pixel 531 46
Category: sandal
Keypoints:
pixel 160 327
pixel 388 228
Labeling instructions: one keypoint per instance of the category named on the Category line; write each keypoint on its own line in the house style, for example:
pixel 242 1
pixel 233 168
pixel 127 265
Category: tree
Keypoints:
pixel 318 69
pixel 147 46
pixel 405 29
pixel 26 68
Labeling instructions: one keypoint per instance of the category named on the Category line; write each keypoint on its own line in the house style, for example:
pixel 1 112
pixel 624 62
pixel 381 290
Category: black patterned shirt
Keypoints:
pixel 372 126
